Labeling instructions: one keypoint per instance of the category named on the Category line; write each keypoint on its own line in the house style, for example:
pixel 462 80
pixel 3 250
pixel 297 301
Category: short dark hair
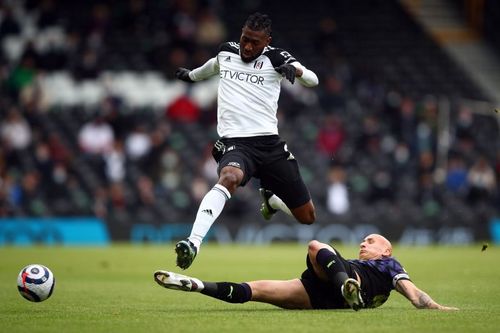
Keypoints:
pixel 259 22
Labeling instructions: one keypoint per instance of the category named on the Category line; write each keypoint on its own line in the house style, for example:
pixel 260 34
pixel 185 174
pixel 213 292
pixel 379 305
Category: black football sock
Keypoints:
pixel 332 265
pixel 228 291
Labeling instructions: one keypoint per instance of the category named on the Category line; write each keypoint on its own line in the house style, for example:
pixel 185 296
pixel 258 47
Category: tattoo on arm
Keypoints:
pixel 417 297
pixel 424 301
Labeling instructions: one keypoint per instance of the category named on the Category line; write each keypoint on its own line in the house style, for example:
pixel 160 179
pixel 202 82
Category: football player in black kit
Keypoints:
pixel 329 282
pixel 250 74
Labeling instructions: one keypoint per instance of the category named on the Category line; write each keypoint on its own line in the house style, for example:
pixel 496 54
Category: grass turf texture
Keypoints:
pixel 112 290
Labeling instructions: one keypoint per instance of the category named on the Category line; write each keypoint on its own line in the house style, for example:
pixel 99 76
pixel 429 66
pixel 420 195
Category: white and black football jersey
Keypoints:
pixel 248 92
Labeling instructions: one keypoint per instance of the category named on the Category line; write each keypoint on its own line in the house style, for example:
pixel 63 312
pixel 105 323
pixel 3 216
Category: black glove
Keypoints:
pixel 288 71
pixel 183 74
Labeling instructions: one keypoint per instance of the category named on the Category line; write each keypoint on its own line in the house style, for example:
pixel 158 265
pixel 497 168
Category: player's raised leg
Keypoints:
pixel 210 208
pixel 266 208
pixel 329 265
pixel 282 188
pixel 271 204
pixel 225 291
pixel 288 294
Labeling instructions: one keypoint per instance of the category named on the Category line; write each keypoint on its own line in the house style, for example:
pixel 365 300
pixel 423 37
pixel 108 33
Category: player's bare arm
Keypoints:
pixel 417 297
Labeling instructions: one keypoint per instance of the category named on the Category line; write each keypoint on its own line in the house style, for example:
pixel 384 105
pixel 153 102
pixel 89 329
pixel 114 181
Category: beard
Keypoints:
pixel 251 58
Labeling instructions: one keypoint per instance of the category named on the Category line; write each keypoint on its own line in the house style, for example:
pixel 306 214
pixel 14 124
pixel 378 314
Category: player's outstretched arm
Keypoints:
pixel 418 297
pixel 208 69
pixel 305 76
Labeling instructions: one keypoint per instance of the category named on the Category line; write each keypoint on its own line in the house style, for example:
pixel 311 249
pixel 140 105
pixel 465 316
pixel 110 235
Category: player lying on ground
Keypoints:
pixel 329 282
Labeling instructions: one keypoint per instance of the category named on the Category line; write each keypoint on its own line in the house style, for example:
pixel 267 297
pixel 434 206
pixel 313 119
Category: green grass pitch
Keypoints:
pixel 111 289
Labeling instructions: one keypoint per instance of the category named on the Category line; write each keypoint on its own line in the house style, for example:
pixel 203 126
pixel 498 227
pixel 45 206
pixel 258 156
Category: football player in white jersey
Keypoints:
pixel 250 74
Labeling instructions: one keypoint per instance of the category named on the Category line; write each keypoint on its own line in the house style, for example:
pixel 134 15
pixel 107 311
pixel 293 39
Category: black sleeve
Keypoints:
pixel 279 57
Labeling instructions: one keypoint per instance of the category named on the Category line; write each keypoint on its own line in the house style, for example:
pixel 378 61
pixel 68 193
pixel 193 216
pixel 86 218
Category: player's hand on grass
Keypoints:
pixel 183 74
pixel 288 71
pixel 447 308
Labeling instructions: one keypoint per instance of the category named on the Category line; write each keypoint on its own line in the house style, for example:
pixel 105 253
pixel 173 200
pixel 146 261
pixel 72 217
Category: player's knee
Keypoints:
pixel 313 247
pixel 308 218
pixel 229 179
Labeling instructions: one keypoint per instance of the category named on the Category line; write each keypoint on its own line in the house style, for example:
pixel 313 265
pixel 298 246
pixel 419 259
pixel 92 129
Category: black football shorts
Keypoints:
pixel 268 159
pixel 324 294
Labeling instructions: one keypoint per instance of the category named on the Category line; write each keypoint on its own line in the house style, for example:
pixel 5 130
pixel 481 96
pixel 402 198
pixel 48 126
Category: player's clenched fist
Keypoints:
pixel 288 71
pixel 183 74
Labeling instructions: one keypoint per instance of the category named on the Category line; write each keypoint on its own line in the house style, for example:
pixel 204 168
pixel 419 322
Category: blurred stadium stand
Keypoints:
pixel 411 127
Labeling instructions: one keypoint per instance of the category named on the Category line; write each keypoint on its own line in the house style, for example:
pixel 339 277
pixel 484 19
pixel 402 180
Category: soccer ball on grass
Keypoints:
pixel 35 283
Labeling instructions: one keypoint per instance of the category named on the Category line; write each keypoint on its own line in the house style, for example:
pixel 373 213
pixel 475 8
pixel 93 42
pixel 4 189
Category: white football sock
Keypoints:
pixel 210 208
pixel 276 203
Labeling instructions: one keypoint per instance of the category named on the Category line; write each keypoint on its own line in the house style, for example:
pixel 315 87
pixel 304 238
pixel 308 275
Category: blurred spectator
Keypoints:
pixel 47 14
pixel 171 169
pixel 208 166
pixel 326 40
pixel 100 202
pixel 426 162
pixel 210 31
pixel 118 201
pixel 332 92
pixel 183 109
pixel 57 192
pixel 402 158
pixel 199 187
pixel 482 181
pixel 96 137
pixel 6 209
pixel 456 176
pixel 115 161
pixel 16 136
pixel 407 126
pixel 138 142
pixel 15 131
pixel 184 24
pixel 145 189
pixel 24 73
pixel 7 199
pixel 175 57
pixel 159 141
pixel 9 24
pixel 464 124
pixel 31 199
pixel 58 151
pixel 87 66
pixel 43 162
pixel 382 186
pixel 98 25
pixel 429 196
pixel 337 200
pixel 425 138
pixel 331 136
pixel 369 141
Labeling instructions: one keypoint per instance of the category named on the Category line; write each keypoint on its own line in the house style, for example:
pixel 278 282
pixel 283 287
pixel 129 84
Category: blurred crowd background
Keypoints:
pixel 92 122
